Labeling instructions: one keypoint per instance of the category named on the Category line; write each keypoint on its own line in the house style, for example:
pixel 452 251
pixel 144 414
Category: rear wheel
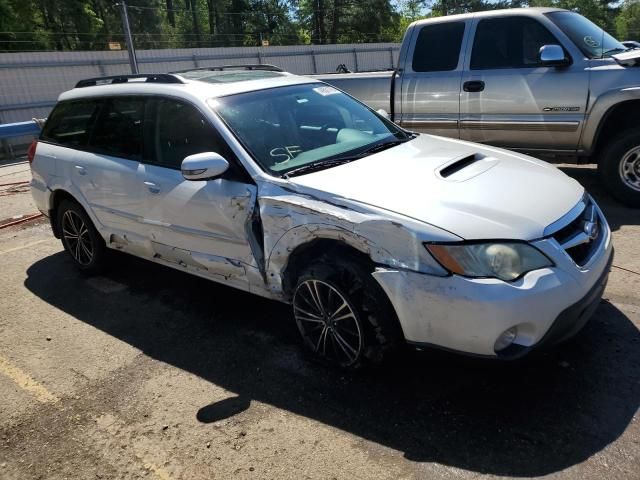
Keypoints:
pixel 619 167
pixel 80 238
pixel 343 315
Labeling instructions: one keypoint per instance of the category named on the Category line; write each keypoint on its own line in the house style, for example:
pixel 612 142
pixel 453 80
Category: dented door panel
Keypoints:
pixel 207 220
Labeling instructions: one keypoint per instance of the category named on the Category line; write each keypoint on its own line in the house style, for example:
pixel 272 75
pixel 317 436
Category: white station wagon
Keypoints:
pixel 288 188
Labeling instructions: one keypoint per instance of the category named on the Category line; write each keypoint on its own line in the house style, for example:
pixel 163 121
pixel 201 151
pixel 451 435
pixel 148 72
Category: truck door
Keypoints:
pixel 509 99
pixel 430 81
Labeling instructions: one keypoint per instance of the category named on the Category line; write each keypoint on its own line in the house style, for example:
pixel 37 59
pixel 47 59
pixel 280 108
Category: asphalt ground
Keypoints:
pixel 149 372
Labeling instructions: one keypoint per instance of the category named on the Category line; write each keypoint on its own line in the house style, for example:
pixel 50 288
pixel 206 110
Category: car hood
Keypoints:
pixel 468 189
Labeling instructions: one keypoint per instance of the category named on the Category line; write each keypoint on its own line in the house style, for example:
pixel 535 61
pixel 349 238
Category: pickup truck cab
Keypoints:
pixel 544 81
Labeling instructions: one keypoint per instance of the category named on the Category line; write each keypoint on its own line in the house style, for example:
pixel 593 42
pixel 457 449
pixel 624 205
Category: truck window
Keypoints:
pixel 70 122
pixel 438 47
pixel 509 42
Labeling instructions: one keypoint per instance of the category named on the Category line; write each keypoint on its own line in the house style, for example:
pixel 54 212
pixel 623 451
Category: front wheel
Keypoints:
pixel 619 167
pixel 344 316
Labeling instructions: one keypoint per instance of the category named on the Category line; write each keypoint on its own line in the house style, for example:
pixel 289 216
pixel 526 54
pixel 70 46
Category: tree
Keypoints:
pixel 628 21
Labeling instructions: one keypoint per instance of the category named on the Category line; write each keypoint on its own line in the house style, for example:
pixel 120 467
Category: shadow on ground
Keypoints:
pixel 524 419
pixel 616 213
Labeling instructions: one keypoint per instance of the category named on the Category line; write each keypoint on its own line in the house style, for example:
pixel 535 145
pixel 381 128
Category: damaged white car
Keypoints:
pixel 291 189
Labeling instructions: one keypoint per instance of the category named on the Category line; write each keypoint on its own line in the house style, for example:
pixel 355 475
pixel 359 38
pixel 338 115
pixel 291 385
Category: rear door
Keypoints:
pixel 109 166
pixel 98 144
pixel 509 99
pixel 430 81
pixel 201 224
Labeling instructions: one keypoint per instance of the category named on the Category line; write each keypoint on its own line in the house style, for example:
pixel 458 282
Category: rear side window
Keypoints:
pixel 181 130
pixel 118 130
pixel 438 47
pixel 509 42
pixel 70 123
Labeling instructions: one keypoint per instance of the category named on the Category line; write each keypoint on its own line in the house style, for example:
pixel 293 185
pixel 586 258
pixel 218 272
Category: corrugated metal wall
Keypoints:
pixel 30 82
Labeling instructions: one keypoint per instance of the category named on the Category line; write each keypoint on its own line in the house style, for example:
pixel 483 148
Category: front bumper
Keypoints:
pixel 468 315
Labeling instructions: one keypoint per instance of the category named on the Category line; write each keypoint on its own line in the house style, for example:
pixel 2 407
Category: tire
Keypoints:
pixel 88 252
pixel 364 330
pixel 619 167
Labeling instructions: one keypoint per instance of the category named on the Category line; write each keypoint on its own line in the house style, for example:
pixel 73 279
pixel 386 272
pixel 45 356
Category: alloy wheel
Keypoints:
pixel 76 235
pixel 630 168
pixel 328 322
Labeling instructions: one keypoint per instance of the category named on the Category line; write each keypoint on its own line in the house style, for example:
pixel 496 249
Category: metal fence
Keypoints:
pixel 30 82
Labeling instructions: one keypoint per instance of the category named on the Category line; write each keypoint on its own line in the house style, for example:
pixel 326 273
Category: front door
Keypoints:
pixel 508 99
pixel 430 82
pixel 199 224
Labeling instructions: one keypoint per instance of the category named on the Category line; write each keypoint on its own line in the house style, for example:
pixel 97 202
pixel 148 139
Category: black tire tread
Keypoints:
pixel 608 164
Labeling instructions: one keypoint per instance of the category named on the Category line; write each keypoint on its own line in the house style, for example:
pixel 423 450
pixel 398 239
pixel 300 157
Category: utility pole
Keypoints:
pixel 127 34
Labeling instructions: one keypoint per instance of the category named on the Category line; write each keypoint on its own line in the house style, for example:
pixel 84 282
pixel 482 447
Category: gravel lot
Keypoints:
pixel 149 372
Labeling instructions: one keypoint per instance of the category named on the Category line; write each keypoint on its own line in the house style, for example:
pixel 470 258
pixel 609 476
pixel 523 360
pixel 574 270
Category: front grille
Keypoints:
pixel 583 235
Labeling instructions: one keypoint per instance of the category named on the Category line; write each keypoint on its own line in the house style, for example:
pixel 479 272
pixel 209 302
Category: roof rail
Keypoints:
pixel 247 66
pixel 150 77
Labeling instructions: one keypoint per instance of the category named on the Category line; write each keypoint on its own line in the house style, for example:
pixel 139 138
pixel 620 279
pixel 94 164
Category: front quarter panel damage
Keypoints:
pixel 294 218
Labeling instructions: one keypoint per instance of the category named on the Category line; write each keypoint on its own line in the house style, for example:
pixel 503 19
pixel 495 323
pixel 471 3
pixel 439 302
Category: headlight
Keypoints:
pixel 504 260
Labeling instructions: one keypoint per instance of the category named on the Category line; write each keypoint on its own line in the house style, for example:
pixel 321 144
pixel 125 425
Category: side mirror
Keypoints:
pixel 203 166
pixel 552 56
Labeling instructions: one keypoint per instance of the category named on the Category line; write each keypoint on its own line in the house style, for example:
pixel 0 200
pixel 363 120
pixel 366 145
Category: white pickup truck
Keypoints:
pixel 540 80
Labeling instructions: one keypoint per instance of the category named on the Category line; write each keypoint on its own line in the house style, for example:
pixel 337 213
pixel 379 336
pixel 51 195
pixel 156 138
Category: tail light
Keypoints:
pixel 31 151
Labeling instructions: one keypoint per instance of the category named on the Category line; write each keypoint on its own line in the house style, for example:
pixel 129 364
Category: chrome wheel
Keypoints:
pixel 328 322
pixel 76 236
pixel 630 168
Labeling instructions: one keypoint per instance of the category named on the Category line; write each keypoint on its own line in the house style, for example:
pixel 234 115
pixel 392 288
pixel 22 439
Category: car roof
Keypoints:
pixel 199 84
pixel 528 11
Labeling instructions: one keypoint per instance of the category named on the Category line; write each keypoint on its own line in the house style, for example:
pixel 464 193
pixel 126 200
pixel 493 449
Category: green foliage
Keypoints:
pixel 628 21
pixel 94 24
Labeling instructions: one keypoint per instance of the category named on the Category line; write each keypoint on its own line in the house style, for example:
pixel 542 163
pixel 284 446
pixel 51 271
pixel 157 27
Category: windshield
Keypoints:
pixel 290 127
pixel 591 39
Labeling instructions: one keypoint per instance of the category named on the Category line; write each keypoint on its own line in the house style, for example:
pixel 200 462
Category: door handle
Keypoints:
pixel 81 170
pixel 473 86
pixel 152 187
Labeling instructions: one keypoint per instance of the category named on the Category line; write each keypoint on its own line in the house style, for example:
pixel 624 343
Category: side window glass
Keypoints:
pixel 70 122
pixel 181 130
pixel 509 42
pixel 118 131
pixel 438 47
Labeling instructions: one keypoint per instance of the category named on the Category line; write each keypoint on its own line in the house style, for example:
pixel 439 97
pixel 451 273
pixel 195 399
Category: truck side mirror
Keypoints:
pixel 552 56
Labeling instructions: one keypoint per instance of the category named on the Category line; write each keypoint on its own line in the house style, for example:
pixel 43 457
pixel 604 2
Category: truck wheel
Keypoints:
pixel 619 167
pixel 343 315
pixel 80 238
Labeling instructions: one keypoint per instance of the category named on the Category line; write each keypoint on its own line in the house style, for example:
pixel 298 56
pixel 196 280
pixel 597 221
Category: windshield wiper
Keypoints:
pixel 315 166
pixel 615 50
pixel 322 164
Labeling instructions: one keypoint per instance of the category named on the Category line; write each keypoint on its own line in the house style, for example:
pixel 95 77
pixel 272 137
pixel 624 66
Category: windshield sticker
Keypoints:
pixel 591 42
pixel 324 91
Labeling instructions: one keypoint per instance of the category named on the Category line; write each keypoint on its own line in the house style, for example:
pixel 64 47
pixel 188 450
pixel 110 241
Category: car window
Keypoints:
pixel 70 122
pixel 180 130
pixel 285 128
pixel 118 130
pixel 438 47
pixel 509 42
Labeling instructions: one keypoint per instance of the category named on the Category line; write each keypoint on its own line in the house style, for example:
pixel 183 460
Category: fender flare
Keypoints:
pixel 601 110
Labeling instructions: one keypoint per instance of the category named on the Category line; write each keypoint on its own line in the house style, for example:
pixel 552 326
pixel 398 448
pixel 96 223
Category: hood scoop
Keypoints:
pixel 467 167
